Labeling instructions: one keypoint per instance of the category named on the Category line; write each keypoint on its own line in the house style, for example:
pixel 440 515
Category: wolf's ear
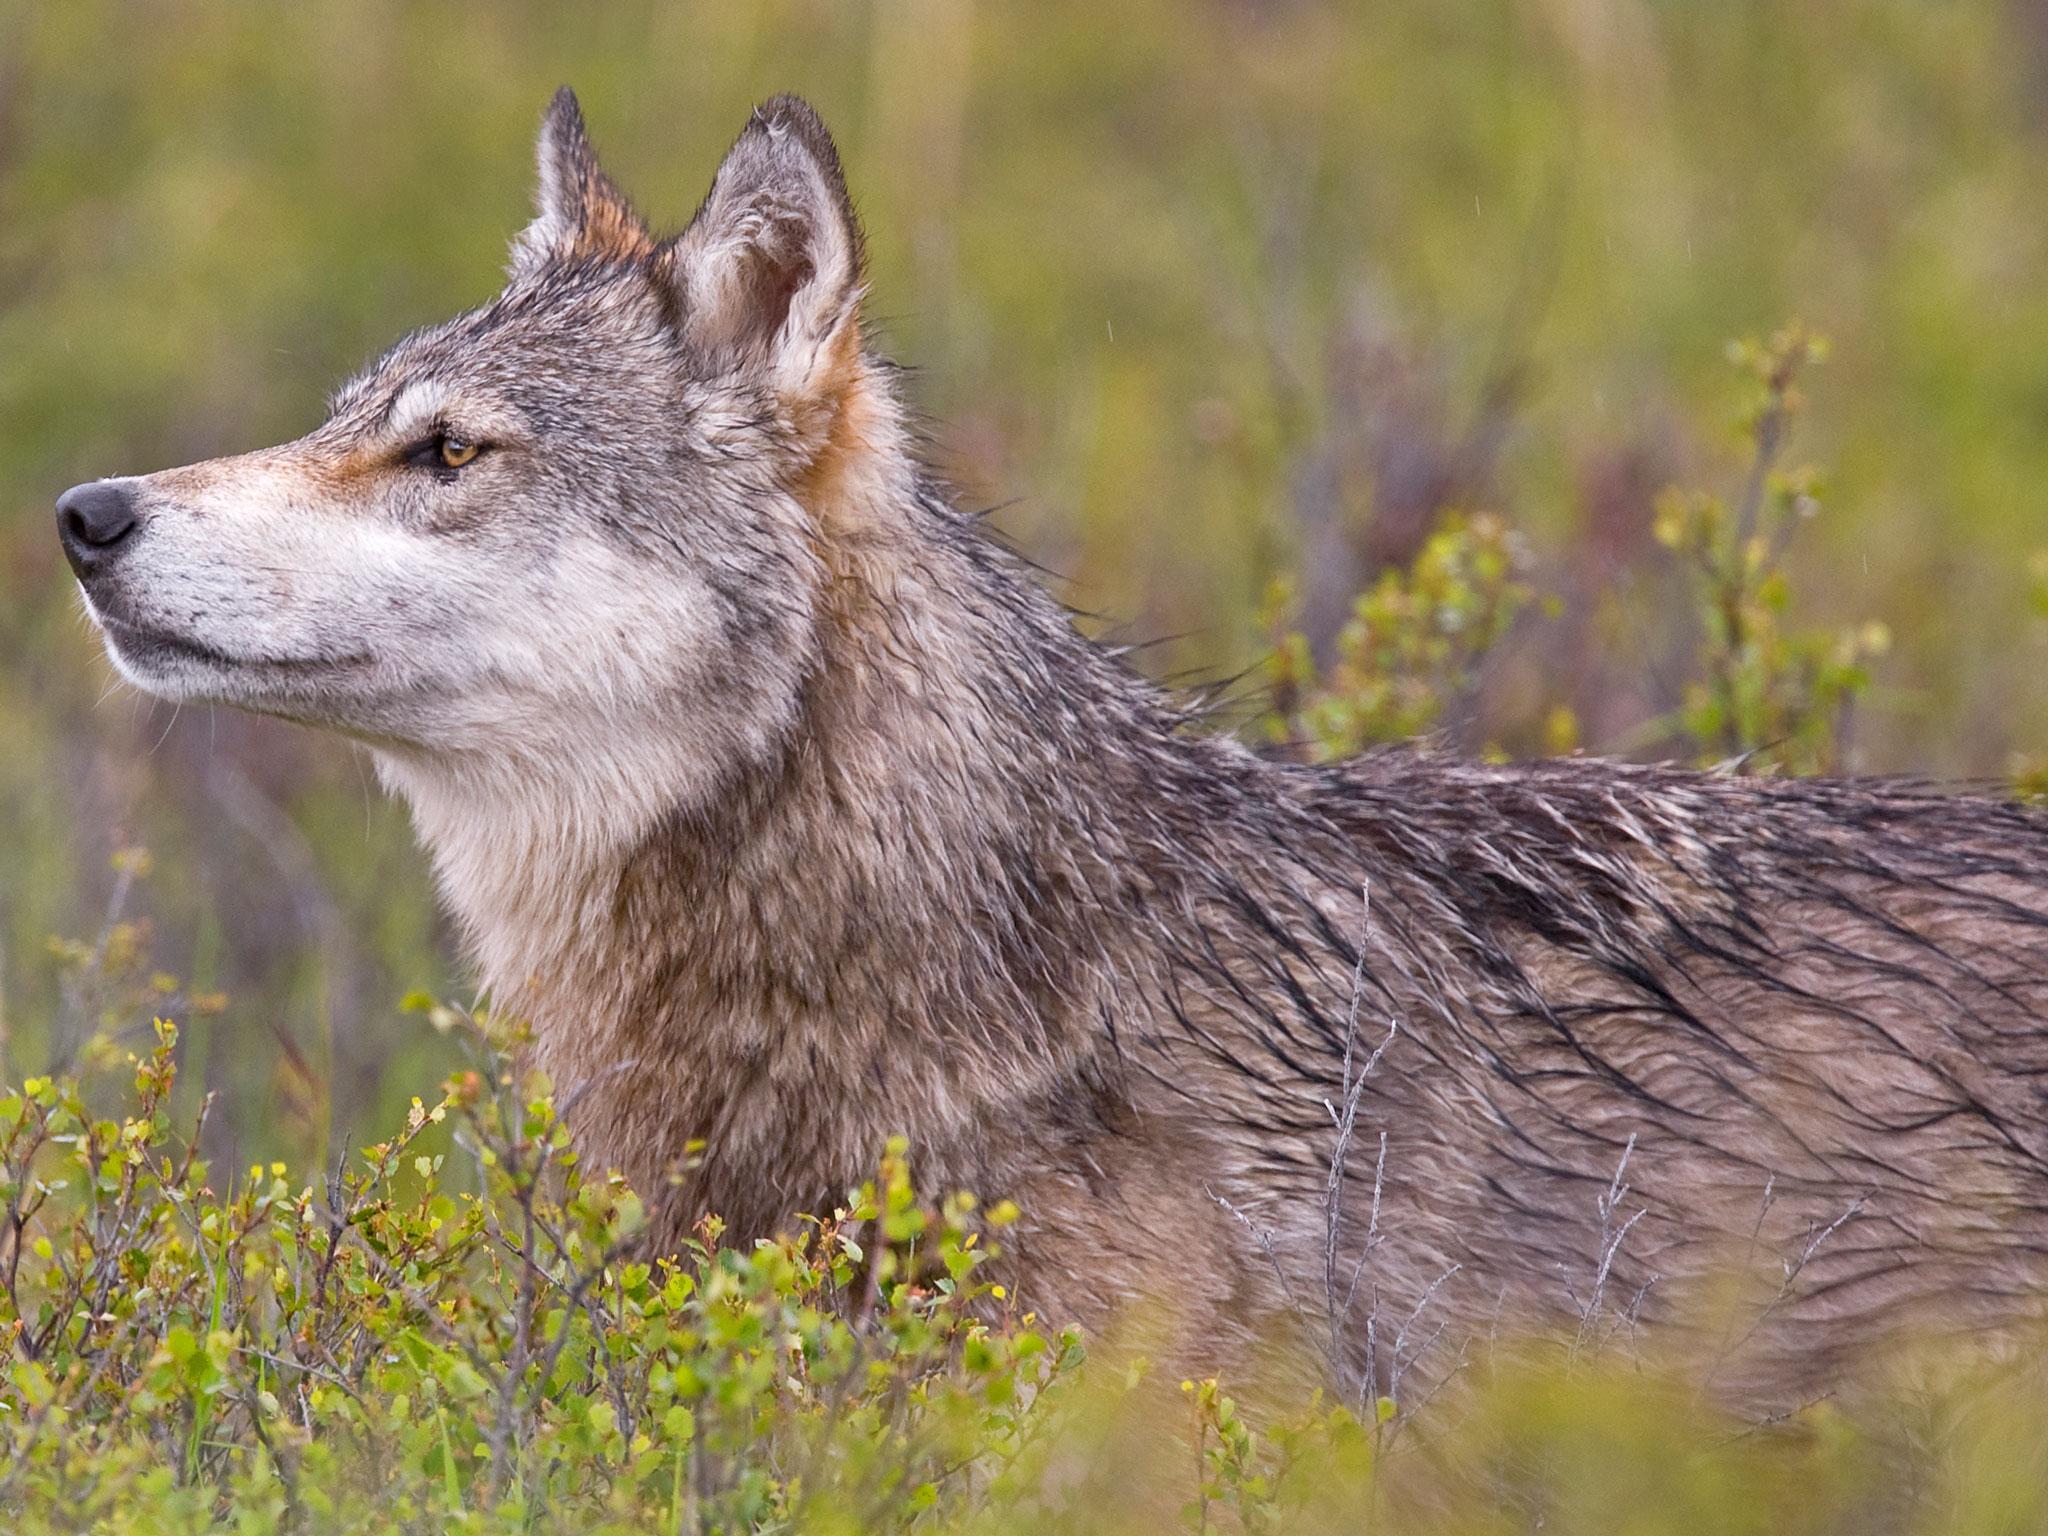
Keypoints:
pixel 767 277
pixel 578 212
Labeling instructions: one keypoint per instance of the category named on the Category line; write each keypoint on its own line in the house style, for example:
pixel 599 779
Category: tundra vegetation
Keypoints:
pixel 1418 302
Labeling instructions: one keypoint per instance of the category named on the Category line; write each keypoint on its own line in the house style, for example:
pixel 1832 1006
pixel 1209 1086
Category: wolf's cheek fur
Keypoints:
pixel 595 631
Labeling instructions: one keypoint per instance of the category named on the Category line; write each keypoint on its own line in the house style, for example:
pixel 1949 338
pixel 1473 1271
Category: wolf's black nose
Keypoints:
pixel 93 519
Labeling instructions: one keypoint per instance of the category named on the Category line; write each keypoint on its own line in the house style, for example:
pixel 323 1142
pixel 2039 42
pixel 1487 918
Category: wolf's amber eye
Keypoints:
pixel 443 453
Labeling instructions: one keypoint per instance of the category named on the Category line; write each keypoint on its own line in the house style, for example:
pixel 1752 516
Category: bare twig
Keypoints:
pixel 1611 1239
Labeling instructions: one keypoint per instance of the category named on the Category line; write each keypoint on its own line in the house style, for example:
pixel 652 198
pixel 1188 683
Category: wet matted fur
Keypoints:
pixel 796 815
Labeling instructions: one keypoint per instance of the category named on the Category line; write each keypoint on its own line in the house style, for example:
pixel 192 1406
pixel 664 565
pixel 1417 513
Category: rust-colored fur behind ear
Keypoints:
pixel 580 213
pixel 838 422
pixel 611 230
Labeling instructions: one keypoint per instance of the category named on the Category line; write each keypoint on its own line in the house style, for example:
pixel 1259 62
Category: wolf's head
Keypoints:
pixel 586 509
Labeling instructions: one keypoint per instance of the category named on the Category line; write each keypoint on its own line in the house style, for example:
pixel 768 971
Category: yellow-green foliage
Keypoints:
pixel 1771 692
pixel 377 1350
pixel 410 1345
pixel 1411 649
pixel 1764 692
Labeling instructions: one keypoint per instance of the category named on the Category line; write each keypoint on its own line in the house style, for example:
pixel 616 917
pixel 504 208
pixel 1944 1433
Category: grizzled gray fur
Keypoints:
pixel 795 815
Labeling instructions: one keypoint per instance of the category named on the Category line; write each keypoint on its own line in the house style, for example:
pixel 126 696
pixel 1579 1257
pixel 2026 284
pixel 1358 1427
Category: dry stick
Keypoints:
pixel 596 1080
pixel 107 1268
pixel 1436 1387
pixel 338 1222
pixel 1793 1270
pixel 1372 1226
pixel 33 1429
pixel 1756 1233
pixel 94 1267
pixel 103 1356
pixel 1771 1420
pixel 527 1183
pixel 531 1266
pixel 1632 1319
pixel 502 1427
pixel 285 1473
pixel 328 1373
pixel 574 1299
pixel 1399 1366
pixel 1346 1122
pixel 19 1215
pixel 1610 1244
pixel 617 1249
pixel 1267 1246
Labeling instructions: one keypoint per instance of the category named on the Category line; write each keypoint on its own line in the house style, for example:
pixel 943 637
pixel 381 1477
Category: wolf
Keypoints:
pixel 795 815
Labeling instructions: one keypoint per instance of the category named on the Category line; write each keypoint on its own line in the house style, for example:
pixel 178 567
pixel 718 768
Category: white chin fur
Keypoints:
pixel 180 678
pixel 172 680
pixel 164 678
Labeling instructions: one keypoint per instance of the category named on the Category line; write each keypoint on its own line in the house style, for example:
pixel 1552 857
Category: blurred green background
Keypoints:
pixel 1204 293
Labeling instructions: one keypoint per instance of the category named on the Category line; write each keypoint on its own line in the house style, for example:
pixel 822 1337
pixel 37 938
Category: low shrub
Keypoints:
pixel 472 1340
pixel 388 1351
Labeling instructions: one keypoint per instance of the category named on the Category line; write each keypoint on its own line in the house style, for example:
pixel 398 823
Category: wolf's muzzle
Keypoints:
pixel 94 521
